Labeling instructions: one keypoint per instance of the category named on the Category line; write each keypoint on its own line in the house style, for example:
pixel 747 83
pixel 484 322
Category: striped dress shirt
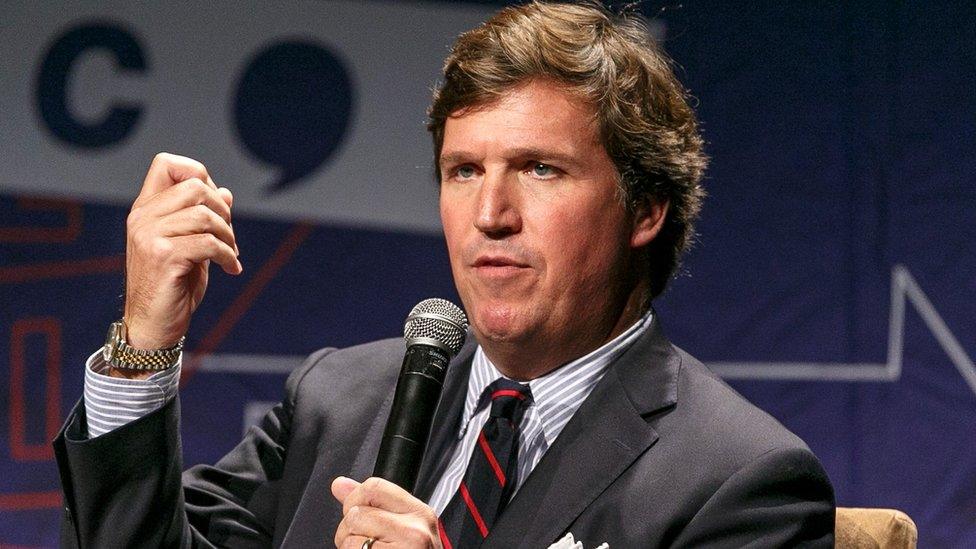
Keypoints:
pixel 113 402
pixel 555 398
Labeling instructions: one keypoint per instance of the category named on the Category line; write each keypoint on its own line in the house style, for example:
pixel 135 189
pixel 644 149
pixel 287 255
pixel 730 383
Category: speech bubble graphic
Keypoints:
pixel 293 107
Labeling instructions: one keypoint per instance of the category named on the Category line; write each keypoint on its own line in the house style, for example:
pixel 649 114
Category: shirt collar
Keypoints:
pixel 554 405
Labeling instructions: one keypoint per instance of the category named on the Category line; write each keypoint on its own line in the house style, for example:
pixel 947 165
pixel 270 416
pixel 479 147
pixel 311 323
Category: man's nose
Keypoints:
pixel 498 205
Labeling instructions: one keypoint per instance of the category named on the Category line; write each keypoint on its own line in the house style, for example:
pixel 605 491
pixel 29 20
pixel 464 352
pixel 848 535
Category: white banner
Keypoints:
pixel 310 110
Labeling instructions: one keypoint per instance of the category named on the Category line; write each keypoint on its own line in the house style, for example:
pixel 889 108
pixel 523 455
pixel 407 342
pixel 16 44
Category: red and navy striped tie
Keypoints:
pixel 492 473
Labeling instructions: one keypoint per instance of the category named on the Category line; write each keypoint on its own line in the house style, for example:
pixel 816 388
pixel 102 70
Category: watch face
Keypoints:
pixel 110 341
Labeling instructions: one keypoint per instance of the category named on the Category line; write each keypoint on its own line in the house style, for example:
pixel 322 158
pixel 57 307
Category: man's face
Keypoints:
pixel 541 246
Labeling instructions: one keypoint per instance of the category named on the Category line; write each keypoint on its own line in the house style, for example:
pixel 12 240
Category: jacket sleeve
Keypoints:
pixel 125 488
pixel 782 498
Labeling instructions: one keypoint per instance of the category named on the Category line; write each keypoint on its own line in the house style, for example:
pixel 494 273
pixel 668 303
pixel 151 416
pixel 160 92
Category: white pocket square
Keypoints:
pixel 569 543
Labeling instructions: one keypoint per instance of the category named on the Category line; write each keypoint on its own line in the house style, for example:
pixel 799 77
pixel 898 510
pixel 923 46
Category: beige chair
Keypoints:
pixel 874 528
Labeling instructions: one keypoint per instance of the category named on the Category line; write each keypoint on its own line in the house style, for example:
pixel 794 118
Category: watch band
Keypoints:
pixel 120 354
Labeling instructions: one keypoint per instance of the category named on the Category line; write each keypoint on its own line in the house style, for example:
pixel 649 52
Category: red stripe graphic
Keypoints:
pixel 30 500
pixel 474 510
pixel 242 303
pixel 483 442
pixel 55 270
pixel 68 232
pixel 20 407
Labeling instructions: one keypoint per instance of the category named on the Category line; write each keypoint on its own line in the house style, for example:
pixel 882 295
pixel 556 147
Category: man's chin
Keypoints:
pixel 499 326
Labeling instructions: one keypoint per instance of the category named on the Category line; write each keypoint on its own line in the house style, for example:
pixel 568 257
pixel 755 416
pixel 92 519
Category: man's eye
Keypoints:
pixel 542 170
pixel 465 172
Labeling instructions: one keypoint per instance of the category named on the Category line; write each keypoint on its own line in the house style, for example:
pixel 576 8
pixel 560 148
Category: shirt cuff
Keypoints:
pixel 112 402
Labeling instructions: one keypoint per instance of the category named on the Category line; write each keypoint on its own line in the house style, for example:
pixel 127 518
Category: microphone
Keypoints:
pixel 434 332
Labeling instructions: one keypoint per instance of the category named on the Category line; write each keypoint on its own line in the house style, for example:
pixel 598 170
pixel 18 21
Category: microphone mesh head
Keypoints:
pixel 436 322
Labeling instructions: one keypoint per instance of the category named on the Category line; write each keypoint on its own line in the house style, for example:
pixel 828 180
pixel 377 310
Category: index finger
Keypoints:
pixel 382 494
pixel 167 170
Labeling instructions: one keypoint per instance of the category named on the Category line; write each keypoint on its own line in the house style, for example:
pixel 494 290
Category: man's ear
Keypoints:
pixel 649 216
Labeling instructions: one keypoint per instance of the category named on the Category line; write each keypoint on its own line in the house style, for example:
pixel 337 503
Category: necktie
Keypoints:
pixel 490 479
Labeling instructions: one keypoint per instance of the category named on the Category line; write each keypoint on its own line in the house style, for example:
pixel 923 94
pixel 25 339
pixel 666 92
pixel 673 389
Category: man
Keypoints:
pixel 569 165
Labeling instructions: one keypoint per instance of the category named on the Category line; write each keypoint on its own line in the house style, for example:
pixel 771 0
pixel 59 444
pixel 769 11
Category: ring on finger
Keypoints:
pixel 368 544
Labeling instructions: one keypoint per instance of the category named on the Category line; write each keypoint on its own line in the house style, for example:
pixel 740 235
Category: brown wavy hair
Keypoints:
pixel 610 60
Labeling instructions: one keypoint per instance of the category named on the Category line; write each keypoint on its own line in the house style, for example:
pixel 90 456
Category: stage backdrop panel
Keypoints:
pixel 832 282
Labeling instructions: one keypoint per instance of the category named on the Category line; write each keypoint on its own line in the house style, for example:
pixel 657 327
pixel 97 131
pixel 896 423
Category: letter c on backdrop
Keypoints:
pixel 51 93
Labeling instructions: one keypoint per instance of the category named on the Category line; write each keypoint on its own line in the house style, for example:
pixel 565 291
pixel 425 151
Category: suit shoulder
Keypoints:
pixel 349 368
pixel 724 421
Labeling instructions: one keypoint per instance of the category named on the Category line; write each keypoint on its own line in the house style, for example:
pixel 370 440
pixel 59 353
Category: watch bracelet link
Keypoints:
pixel 141 359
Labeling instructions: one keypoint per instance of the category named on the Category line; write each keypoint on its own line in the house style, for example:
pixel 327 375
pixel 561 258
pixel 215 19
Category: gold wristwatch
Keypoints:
pixel 119 354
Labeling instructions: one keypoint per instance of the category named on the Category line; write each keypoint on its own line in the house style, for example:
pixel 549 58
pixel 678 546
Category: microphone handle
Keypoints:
pixel 418 391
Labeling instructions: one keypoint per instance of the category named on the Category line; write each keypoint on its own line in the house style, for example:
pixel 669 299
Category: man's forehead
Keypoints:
pixel 554 90
pixel 536 119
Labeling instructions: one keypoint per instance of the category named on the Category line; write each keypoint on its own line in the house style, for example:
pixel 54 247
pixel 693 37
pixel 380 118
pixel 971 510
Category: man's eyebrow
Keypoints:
pixel 522 153
pixel 543 155
pixel 454 158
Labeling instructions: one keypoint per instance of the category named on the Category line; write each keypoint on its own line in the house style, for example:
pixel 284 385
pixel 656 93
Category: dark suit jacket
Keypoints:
pixel 662 453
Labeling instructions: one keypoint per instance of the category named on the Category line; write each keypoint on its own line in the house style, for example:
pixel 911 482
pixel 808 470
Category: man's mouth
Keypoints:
pixel 498 261
pixel 498 267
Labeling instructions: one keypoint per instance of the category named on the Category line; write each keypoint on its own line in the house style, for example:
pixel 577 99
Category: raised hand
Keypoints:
pixel 179 223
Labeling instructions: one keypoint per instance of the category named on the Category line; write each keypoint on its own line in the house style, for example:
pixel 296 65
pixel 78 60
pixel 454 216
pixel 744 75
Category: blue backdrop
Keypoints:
pixel 833 283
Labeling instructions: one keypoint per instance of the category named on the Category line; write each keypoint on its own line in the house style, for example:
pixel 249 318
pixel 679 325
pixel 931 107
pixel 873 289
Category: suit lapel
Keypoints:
pixel 446 419
pixel 604 437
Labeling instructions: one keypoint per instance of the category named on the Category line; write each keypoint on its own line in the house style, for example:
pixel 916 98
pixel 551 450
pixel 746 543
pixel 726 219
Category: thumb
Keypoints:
pixel 342 487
